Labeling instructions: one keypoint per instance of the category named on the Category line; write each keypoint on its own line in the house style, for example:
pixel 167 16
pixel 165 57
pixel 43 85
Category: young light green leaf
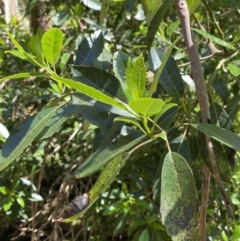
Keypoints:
pixel 52 42
pixel 23 135
pixel 224 136
pixel 214 39
pixel 90 91
pixel 179 199
pixel 136 77
pixel 24 75
pixel 234 69
pixel 146 106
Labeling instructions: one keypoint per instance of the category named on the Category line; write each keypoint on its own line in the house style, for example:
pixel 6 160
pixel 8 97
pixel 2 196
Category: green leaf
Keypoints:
pixel 107 152
pixel 120 223
pixel 23 135
pixel 234 69
pixel 103 61
pixel 7 204
pixel 85 54
pixel 93 4
pixel 120 60
pixel 220 117
pixel 106 177
pixel 24 75
pixel 170 77
pixel 136 77
pixel 214 39
pixel 144 235
pixel 192 5
pixel 90 91
pixel 52 42
pixel 146 106
pixel 151 7
pixel 163 111
pixel 178 199
pixel 129 120
pixel 21 202
pixel 62 16
pixel 224 136
pixel 64 61
pixel 104 10
pixel 56 121
pixel 36 46
pixel 156 20
pixel 100 80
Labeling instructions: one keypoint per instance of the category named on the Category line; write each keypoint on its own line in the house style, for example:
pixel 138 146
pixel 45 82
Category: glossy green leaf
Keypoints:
pixel 56 121
pixel 170 78
pixel 162 114
pixel 192 5
pixel 220 117
pixel 107 152
pixel 179 199
pixel 64 61
pixel 155 22
pixel 100 80
pixel 36 46
pixel 61 16
pixel 23 135
pixel 234 69
pixel 136 77
pixel 52 42
pixel 120 223
pixel 90 91
pixel 24 75
pixel 214 39
pixel 146 106
pixel 93 4
pixel 224 136
pixel 120 60
pixel 144 235
pixel 21 202
pixel 103 61
pixel 151 7
pixel 129 120
pixel 86 52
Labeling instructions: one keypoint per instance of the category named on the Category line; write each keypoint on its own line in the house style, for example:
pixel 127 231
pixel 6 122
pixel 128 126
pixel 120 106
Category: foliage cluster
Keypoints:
pixel 87 109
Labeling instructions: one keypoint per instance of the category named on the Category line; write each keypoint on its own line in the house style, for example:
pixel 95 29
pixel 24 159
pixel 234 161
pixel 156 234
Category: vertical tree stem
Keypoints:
pixel 183 14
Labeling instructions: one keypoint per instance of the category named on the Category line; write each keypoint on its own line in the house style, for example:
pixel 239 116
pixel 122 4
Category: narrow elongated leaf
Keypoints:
pixel 224 136
pixel 151 7
pixel 91 111
pixel 89 50
pixel 120 60
pixel 56 121
pixel 100 80
pixel 52 42
pixel 146 106
pixel 23 135
pixel 170 78
pixel 136 77
pixel 178 199
pixel 89 91
pixel 106 177
pixel 93 4
pixel 220 117
pixel 156 20
pixel 192 5
pixel 24 75
pixel 108 152
pixel 214 39
pixel 104 10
